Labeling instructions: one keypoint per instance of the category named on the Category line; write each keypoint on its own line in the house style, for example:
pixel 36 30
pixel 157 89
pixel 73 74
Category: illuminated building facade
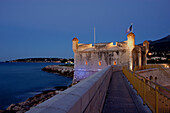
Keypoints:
pixel 89 58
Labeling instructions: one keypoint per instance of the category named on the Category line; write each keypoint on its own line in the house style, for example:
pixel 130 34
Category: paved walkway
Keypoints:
pixel 120 97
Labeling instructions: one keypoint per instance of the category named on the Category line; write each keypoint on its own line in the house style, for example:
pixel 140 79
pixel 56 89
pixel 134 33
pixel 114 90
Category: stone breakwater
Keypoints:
pixel 62 70
pixel 22 107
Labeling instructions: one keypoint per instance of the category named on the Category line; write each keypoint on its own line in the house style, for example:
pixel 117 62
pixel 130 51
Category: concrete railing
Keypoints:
pixel 85 97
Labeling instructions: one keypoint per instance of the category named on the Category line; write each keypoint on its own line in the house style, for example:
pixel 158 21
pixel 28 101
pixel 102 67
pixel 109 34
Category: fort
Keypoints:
pixel 111 79
pixel 89 58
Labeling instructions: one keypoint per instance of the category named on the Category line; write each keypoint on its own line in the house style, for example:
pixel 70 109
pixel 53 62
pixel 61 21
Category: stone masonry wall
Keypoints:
pixel 87 63
pixel 156 75
pixel 90 60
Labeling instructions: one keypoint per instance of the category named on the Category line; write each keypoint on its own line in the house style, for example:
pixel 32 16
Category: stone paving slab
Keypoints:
pixel 119 97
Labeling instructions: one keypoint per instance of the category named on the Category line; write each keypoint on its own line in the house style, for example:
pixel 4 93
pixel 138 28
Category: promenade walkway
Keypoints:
pixel 121 98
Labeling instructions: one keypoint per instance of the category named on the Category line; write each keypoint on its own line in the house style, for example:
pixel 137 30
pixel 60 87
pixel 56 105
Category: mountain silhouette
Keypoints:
pixel 161 45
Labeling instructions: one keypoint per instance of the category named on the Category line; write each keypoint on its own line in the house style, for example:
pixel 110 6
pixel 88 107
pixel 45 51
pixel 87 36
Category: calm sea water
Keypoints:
pixel 19 81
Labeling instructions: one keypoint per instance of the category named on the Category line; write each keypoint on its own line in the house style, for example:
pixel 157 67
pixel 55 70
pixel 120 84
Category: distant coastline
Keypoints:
pixel 44 60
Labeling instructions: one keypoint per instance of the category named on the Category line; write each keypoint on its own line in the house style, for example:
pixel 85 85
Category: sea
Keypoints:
pixel 19 81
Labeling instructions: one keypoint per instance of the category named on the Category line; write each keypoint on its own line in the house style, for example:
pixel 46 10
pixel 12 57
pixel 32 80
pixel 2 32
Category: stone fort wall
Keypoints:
pixel 156 75
pixel 90 58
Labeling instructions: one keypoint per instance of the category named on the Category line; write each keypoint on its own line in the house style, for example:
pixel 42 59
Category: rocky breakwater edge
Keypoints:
pixel 22 107
pixel 67 71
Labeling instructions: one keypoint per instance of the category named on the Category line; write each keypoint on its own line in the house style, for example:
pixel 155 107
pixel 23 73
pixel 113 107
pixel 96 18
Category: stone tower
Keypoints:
pixel 75 44
pixel 146 45
pixel 131 46
pixel 75 48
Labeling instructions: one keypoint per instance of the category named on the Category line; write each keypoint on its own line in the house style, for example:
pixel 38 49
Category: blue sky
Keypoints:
pixel 45 28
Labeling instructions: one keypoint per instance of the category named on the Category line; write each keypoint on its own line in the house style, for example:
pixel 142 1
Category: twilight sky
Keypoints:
pixel 45 28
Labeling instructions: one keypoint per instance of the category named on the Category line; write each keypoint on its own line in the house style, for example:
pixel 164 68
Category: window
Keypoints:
pixel 114 63
pixel 86 63
pixel 147 79
pixel 155 79
pixel 99 63
pixel 150 78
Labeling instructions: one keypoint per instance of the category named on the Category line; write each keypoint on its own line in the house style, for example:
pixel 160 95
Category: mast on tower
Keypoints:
pixel 94 36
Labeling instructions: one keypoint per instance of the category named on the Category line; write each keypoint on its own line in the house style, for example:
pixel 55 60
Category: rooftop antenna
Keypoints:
pixel 94 36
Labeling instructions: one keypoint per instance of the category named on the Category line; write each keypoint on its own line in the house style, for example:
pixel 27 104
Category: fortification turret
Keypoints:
pixel 146 44
pixel 131 41
pixel 75 44
pixel 131 46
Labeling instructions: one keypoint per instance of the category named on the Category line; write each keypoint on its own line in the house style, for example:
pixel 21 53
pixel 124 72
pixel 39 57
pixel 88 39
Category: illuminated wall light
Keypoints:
pixel 86 63
pixel 99 63
pixel 114 63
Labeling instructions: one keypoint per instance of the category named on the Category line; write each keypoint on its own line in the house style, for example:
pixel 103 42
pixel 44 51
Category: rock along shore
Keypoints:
pixel 22 107
pixel 62 70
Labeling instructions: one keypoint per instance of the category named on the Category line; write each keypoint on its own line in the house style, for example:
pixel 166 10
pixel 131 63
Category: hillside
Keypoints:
pixel 161 45
pixel 159 51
